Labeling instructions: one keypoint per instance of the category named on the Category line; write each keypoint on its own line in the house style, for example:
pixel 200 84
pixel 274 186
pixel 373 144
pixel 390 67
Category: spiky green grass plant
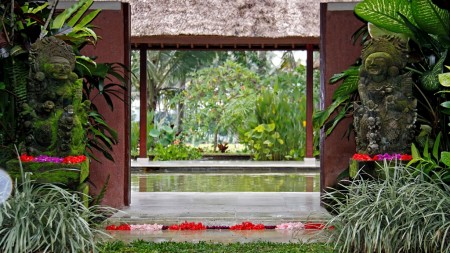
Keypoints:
pixel 406 211
pixel 47 218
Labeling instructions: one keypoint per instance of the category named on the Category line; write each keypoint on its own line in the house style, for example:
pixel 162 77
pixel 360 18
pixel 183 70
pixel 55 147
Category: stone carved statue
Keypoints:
pixel 384 119
pixel 54 112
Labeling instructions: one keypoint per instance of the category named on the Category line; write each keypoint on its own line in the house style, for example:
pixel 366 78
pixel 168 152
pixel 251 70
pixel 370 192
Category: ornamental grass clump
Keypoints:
pixel 406 211
pixel 47 218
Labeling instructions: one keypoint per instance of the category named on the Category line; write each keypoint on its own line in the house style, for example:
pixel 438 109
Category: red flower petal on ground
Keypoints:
pixel 247 226
pixel 111 227
pixel 187 226
pixel 316 226
pixel 174 227
pixel 124 227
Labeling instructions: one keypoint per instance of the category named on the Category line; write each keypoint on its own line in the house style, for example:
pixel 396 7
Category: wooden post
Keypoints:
pixel 143 102
pixel 309 101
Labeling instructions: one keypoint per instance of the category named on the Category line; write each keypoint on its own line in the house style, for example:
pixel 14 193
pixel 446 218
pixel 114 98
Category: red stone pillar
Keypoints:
pixel 309 101
pixel 113 26
pixel 143 102
pixel 337 24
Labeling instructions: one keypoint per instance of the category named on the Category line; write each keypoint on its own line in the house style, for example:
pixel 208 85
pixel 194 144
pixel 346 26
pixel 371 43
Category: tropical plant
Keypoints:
pixel 167 73
pixel 405 212
pixel 281 105
pixel 222 147
pixel 23 22
pixel 164 135
pixel 264 142
pixel 177 151
pixel 134 144
pixel 427 27
pixel 432 163
pixel 221 98
pixel 48 218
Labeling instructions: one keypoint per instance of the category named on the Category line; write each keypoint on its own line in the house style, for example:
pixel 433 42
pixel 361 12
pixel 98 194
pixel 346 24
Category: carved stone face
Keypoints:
pixel 48 106
pixel 58 68
pixel 377 63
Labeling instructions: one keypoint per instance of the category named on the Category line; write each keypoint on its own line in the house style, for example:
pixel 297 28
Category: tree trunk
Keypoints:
pixel 216 133
pixel 152 97
pixel 180 114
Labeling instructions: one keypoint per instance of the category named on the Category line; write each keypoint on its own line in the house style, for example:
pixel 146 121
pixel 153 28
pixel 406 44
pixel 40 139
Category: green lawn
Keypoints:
pixel 256 247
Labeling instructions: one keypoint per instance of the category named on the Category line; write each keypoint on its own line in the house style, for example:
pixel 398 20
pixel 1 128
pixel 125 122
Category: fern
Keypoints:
pixel 17 73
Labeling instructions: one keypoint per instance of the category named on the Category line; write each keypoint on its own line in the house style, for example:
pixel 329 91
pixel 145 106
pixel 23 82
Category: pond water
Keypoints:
pixel 217 182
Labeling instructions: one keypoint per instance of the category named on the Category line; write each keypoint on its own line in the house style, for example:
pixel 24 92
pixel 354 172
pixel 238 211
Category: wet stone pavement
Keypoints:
pixel 224 209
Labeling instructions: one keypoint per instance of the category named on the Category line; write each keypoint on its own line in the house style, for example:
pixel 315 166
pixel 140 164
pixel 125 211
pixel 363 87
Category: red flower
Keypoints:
pixel 174 227
pixel 317 226
pixel 111 227
pixel 26 158
pixel 362 157
pixel 247 226
pixel 188 226
pixel 123 227
pixel 406 157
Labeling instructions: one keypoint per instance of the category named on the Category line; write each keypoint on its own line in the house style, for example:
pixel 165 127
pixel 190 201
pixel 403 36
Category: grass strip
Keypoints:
pixel 141 246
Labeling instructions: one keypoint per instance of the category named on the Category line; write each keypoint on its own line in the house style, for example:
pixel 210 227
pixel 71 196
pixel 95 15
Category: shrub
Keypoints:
pixel 175 152
pixel 404 212
pixel 47 218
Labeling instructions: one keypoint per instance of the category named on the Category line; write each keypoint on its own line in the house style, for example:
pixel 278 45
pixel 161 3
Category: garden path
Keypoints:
pixel 221 209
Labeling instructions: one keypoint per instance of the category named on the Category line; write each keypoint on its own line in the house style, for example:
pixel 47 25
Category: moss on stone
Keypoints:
pixel 71 175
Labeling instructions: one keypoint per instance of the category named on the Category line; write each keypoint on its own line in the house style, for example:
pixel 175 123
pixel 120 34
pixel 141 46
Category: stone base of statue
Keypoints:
pixel 70 176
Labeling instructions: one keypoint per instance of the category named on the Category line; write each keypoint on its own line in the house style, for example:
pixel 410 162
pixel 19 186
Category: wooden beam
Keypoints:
pixel 143 103
pixel 309 101
pixel 200 42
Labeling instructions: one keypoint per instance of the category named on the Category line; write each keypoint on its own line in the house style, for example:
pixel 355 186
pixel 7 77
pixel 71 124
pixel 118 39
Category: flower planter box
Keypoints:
pixel 219 157
pixel 72 176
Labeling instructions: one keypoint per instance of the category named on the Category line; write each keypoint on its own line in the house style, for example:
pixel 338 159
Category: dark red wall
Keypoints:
pixel 337 24
pixel 114 46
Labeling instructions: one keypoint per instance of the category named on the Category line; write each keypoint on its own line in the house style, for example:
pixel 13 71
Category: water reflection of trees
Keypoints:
pixel 226 183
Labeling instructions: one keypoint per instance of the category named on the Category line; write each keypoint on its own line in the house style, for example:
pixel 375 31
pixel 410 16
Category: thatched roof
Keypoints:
pixel 237 18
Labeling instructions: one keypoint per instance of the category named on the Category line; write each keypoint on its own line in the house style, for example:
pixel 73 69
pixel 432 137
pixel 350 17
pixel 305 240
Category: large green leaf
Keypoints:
pixel 430 17
pixel 154 133
pixel 88 18
pixel 386 14
pixel 415 152
pixel 59 20
pixel 348 86
pixel 436 146
pixel 445 158
pixel 80 12
pixel 377 32
pixel 320 117
pixel 444 79
pixel 429 80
